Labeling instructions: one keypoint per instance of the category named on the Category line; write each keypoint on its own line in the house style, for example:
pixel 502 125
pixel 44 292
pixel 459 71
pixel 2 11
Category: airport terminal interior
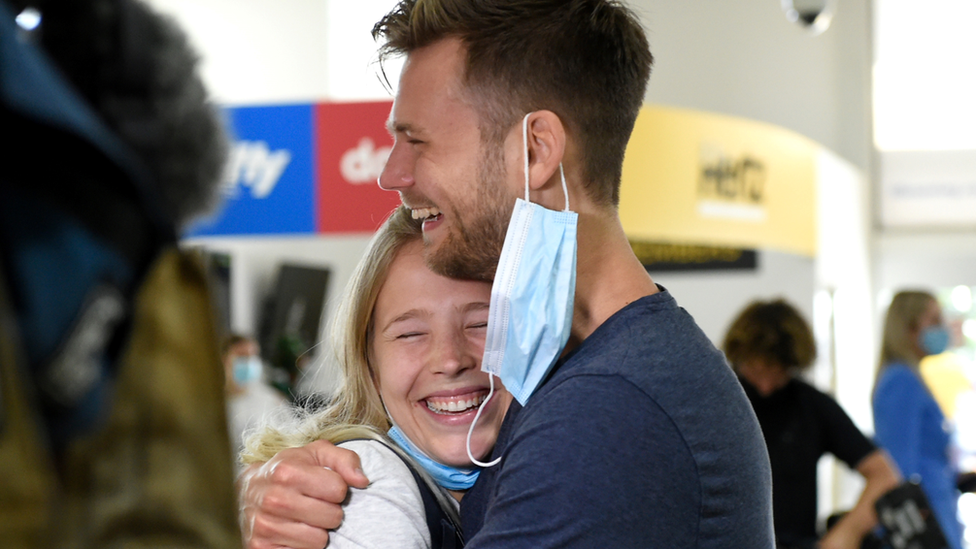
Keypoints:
pixel 823 151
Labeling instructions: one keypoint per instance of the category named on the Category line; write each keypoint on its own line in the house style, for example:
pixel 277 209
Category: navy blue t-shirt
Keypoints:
pixel 641 437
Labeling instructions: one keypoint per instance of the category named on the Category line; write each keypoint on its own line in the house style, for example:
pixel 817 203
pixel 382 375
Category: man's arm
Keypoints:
pixel 880 475
pixel 294 499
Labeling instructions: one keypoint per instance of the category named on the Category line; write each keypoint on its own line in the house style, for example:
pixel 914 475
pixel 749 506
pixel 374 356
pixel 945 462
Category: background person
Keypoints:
pixel 250 399
pixel 497 101
pixel 769 345
pixel 409 344
pixel 908 422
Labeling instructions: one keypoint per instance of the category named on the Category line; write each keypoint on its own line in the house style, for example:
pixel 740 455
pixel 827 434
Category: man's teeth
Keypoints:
pixel 424 213
pixel 455 406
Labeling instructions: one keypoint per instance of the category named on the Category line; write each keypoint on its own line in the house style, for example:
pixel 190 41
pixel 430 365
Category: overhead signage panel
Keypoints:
pixel 928 189
pixel 699 178
pixel 304 169
pixel 268 180
pixel 352 146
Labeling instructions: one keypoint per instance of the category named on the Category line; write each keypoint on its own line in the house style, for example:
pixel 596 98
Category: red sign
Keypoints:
pixel 351 148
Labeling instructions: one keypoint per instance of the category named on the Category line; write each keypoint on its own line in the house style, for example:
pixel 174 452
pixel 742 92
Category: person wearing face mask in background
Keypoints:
pixel 907 419
pixel 249 397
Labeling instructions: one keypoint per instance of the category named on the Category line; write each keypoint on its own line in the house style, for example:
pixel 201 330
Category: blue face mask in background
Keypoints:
pixel 934 340
pixel 247 369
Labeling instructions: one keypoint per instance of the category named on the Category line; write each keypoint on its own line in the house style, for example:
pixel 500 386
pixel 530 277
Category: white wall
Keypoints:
pixel 926 260
pixel 744 58
pixel 715 298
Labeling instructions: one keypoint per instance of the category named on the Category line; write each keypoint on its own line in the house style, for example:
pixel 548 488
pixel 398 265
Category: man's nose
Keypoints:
pixel 397 174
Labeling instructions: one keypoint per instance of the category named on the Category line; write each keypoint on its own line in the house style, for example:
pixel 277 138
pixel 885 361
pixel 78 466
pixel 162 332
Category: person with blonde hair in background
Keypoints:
pixel 769 345
pixel 408 343
pixel 908 421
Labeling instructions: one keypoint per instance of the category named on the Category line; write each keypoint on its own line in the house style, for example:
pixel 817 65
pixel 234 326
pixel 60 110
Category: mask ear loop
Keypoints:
pixel 525 164
pixel 525 150
pixel 467 446
pixel 562 175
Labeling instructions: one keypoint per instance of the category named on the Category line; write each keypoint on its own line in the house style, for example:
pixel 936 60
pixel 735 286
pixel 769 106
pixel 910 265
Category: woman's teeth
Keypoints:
pixel 455 406
pixel 424 213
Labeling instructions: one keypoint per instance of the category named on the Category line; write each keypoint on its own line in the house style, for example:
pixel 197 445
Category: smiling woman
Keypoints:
pixel 409 344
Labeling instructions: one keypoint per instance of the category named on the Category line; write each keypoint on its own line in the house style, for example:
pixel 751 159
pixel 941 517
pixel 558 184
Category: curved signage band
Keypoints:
pixel 691 177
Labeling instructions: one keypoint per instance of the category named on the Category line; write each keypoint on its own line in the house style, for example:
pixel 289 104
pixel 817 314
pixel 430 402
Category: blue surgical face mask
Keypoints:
pixel 247 369
pixel 531 308
pixel 934 340
pixel 452 478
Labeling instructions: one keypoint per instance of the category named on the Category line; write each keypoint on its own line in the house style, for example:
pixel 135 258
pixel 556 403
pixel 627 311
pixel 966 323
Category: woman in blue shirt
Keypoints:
pixel 908 421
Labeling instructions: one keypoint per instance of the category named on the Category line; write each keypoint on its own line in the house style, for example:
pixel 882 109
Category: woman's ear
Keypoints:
pixel 546 141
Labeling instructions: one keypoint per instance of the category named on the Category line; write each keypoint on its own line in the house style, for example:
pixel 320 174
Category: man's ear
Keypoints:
pixel 546 138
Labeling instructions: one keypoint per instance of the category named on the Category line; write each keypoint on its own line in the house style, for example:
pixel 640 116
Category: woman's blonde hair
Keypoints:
pixel 906 309
pixel 357 411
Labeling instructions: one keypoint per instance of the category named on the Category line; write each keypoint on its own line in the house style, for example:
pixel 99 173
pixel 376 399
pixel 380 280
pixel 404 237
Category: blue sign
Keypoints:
pixel 269 182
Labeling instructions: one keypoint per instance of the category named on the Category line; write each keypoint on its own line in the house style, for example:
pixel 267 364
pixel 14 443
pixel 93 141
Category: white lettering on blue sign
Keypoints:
pixel 252 164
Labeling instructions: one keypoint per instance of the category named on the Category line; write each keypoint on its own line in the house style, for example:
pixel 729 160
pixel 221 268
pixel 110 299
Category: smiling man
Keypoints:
pixel 632 431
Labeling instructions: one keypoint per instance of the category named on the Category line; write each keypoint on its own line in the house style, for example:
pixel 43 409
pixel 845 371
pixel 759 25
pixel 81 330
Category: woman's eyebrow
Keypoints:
pixel 407 315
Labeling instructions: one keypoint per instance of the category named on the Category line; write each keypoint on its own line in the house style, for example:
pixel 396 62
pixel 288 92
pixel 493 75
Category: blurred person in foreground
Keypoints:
pixel 908 421
pixel 113 430
pixel 769 346
pixel 510 121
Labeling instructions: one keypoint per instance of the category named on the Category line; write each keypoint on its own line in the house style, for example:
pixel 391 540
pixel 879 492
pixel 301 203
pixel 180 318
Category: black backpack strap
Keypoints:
pixel 442 521
pixel 444 534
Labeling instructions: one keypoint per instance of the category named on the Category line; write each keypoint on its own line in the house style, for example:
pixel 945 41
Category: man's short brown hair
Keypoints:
pixel 588 61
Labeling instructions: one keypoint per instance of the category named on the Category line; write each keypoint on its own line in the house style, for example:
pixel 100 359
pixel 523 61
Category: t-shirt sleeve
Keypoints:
pixel 389 512
pixel 560 486
pixel 898 411
pixel 843 439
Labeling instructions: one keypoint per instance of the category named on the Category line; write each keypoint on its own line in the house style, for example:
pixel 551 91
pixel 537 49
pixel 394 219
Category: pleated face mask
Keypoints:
pixel 531 308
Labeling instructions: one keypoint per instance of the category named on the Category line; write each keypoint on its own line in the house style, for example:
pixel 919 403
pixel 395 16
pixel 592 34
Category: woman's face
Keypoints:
pixel 428 340
pixel 931 317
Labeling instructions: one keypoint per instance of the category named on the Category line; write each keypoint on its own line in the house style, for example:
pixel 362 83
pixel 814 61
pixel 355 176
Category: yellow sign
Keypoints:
pixel 699 178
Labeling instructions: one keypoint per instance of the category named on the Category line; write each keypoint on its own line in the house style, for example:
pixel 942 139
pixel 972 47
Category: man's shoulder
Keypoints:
pixel 642 330
pixel 651 343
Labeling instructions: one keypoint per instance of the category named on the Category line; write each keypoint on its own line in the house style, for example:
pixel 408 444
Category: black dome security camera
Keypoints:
pixel 812 15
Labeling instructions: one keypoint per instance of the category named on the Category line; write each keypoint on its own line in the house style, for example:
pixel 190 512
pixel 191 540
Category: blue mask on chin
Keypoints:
pixel 452 478
pixel 934 340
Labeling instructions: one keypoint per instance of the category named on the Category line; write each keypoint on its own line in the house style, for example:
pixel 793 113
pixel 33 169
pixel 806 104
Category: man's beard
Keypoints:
pixel 471 250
